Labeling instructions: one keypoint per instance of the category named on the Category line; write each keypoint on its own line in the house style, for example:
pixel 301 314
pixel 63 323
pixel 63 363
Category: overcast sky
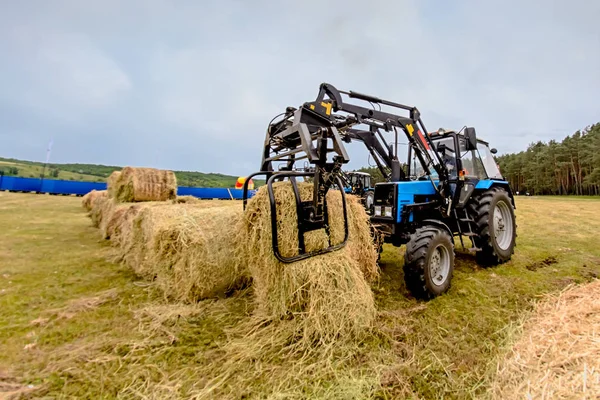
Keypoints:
pixel 191 85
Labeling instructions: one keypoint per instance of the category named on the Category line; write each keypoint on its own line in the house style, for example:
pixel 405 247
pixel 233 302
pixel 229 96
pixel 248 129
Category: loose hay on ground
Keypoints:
pixel 327 295
pixel 558 355
pixel 145 184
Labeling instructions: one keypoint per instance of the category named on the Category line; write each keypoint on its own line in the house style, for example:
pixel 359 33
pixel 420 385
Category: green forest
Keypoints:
pixel 571 166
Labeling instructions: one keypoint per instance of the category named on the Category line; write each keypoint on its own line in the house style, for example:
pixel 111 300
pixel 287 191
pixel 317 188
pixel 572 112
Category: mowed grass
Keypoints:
pixel 75 325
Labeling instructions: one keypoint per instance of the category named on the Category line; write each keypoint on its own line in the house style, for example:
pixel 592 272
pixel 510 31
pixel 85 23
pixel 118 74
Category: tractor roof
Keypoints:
pixel 437 135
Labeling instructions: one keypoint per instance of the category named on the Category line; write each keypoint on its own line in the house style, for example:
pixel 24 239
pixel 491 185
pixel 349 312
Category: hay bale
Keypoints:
pixel 112 227
pixel 327 295
pixel 145 184
pixel 111 183
pixel 88 199
pixel 557 356
pixel 189 250
pixel 98 207
pixel 120 227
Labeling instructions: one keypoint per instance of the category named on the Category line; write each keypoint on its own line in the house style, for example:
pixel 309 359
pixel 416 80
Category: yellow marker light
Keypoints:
pixel 410 129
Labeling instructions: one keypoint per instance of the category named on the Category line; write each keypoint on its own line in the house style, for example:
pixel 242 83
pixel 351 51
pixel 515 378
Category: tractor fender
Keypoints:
pixel 489 183
pixel 438 224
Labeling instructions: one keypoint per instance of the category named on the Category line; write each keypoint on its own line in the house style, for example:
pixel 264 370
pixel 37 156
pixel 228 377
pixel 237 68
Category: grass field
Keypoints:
pixel 75 325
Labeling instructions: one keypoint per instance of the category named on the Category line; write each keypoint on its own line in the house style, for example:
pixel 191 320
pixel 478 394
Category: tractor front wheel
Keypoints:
pixel 368 200
pixel 495 225
pixel 429 262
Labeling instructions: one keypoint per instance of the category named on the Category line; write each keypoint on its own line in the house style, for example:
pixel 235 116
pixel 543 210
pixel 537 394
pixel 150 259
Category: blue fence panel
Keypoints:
pixel 70 187
pixel 238 194
pixel 204 193
pixel 213 193
pixel 55 186
pixel 21 184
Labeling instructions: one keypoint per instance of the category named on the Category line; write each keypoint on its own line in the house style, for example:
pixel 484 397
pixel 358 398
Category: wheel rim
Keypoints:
pixel 439 265
pixel 503 225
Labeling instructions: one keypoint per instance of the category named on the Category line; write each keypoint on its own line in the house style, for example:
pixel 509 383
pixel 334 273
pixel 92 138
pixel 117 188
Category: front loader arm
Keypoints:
pixel 316 132
pixel 329 104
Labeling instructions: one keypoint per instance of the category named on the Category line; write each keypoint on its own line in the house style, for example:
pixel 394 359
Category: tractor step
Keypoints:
pixel 466 220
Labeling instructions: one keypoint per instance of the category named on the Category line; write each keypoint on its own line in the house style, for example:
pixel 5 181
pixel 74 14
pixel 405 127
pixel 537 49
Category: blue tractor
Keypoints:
pixel 359 184
pixel 450 187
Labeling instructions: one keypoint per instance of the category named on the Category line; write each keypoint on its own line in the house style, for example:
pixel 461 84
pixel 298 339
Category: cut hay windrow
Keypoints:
pixel 111 183
pixel 188 250
pixel 558 354
pixel 145 184
pixel 327 295
pixel 88 200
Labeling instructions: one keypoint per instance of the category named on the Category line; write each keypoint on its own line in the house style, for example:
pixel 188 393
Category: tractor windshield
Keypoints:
pixel 491 168
pixel 448 156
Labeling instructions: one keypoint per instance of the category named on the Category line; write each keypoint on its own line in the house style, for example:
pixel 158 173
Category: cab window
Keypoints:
pixel 487 159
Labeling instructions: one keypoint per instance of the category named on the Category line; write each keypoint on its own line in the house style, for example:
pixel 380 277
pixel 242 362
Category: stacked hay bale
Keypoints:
pixel 189 251
pixel 87 201
pixel 183 244
pixel 196 250
pixel 111 183
pixel 329 295
pixel 144 184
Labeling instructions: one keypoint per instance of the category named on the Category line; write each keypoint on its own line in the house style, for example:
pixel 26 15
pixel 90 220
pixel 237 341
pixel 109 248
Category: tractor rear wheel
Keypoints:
pixel 429 262
pixel 495 227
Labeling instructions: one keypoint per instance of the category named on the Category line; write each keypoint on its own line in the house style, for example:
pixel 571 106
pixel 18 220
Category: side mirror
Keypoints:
pixel 493 150
pixel 470 139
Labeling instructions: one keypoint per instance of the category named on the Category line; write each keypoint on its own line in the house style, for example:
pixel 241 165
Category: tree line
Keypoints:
pixel 571 166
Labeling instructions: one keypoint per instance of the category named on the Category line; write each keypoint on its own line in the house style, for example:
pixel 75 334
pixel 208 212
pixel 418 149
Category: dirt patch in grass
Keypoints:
pixel 542 263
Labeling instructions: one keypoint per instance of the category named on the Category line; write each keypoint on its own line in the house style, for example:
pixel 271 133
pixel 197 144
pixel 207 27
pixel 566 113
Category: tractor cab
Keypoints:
pixel 474 159
pixel 469 161
pixel 359 184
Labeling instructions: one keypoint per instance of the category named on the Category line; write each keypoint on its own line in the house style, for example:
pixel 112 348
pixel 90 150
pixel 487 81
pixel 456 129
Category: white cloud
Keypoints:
pixel 64 75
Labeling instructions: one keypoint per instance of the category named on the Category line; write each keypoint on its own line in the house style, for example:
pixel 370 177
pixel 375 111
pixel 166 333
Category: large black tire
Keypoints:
pixel 495 226
pixel 429 262
pixel 368 200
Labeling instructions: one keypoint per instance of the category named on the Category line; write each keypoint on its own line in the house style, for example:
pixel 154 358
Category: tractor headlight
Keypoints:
pixel 377 211
pixel 387 212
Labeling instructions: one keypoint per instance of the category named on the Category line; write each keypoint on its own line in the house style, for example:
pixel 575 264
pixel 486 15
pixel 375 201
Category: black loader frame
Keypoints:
pixel 315 134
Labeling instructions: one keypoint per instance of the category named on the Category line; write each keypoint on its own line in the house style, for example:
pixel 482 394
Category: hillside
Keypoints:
pixel 99 173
